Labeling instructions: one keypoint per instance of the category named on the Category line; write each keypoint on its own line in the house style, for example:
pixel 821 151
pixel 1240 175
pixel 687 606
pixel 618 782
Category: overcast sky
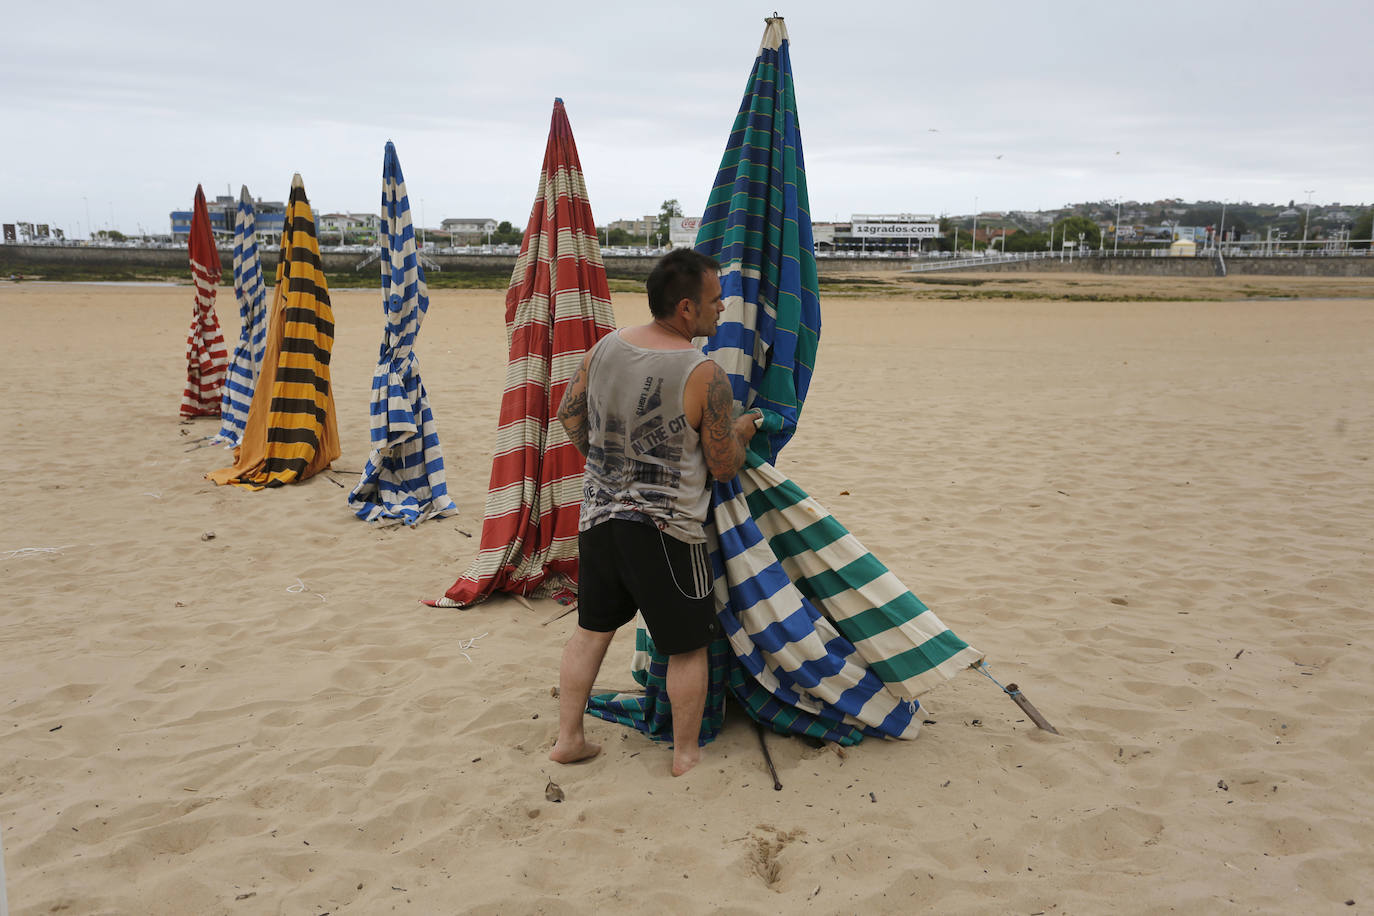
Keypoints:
pixel 120 109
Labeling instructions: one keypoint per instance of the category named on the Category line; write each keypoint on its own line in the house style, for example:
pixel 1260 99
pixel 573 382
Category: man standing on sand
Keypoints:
pixel 652 414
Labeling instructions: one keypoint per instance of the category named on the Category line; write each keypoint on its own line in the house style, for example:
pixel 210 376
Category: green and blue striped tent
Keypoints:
pixel 821 638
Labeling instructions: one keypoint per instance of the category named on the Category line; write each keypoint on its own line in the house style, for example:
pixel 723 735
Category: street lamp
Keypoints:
pixel 975 226
pixel 1307 218
pixel 1116 230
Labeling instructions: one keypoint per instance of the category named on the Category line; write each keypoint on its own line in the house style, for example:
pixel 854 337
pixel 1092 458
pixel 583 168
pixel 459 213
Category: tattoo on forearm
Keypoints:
pixel 572 412
pixel 575 420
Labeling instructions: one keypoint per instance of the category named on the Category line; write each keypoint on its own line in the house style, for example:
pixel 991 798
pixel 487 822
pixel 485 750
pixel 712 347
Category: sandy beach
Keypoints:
pixel 1155 517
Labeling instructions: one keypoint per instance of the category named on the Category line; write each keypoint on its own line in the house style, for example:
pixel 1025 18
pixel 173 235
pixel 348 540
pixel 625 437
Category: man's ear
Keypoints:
pixel 684 306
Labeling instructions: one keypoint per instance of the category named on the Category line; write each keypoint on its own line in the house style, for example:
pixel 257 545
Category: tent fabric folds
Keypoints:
pixel 404 475
pixel 206 358
pixel 558 306
pixel 291 433
pixel 251 293
pixel 821 638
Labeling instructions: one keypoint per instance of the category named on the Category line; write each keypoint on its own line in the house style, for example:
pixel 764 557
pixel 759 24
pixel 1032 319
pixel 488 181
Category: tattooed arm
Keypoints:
pixel 572 413
pixel 723 435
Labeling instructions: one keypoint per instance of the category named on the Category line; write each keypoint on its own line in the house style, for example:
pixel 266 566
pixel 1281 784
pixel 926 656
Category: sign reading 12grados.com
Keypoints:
pixel 895 230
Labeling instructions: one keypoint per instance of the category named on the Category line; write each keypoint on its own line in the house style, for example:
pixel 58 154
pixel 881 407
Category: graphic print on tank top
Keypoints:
pixel 650 437
pixel 622 456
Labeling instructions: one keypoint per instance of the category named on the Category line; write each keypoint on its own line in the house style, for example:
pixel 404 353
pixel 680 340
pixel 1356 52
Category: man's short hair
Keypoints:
pixel 675 277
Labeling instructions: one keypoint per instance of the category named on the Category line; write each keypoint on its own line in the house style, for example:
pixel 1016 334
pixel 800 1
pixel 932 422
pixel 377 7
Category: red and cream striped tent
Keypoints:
pixel 558 305
pixel 206 357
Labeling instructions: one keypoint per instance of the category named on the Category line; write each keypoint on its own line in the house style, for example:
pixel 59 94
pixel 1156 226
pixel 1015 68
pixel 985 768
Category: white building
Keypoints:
pixel 468 226
pixel 349 222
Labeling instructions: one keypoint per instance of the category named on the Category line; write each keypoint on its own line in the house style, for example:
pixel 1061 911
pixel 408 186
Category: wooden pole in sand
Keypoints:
pixel 1018 698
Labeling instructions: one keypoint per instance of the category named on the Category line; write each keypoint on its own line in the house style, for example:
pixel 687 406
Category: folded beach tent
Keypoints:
pixel 558 306
pixel 206 358
pixel 291 432
pixel 821 639
pixel 251 293
pixel 404 475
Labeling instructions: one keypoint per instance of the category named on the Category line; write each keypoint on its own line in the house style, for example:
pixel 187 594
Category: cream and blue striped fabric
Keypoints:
pixel 404 475
pixel 823 639
pixel 246 363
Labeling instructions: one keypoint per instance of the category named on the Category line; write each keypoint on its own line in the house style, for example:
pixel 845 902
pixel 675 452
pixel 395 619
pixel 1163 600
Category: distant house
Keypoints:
pixel 348 222
pixel 468 226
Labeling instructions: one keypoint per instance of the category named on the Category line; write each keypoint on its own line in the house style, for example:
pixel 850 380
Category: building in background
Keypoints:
pixel 271 217
pixel 342 228
pixel 468 230
pixel 642 227
pixel 892 232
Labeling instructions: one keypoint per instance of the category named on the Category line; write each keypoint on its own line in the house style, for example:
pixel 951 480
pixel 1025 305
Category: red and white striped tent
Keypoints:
pixel 206 356
pixel 558 305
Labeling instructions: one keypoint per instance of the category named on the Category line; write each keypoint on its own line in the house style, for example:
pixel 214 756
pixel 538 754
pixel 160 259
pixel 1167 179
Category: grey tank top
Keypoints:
pixel 644 460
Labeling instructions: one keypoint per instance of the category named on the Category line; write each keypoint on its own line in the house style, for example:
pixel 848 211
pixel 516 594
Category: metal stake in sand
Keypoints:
pixel 1019 699
pixel 768 758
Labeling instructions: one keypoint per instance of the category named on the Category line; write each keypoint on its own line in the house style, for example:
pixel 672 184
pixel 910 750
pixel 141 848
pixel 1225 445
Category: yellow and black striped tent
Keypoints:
pixel 291 433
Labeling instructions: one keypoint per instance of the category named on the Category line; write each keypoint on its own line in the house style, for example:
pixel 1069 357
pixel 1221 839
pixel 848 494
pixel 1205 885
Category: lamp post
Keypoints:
pixel 1307 218
pixel 1221 230
pixel 974 244
pixel 1116 229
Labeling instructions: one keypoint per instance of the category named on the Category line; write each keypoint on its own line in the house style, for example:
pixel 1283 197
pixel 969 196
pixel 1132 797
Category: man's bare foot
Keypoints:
pixel 685 759
pixel 574 753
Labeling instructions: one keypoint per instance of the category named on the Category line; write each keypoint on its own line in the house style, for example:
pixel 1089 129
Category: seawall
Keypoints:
pixel 32 259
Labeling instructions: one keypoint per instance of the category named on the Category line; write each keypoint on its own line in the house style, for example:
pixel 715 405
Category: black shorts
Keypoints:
pixel 626 566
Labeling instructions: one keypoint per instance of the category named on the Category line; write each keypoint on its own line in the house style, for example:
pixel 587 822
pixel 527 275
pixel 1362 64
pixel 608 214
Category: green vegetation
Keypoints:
pixel 1362 229
pixel 669 210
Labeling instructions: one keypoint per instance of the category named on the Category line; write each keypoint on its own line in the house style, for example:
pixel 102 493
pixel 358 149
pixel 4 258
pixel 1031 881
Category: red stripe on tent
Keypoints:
pixel 557 307
pixel 207 358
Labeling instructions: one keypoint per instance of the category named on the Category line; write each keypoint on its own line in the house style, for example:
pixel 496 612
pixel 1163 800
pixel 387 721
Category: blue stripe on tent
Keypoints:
pixel 403 477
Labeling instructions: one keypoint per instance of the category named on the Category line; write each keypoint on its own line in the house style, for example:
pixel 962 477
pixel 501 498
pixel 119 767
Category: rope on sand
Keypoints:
pixel 469 644
pixel 300 588
pixel 32 551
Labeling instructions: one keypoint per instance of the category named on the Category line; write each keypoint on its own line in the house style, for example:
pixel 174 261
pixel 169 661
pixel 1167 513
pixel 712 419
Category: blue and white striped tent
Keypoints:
pixel 821 639
pixel 404 475
pixel 251 293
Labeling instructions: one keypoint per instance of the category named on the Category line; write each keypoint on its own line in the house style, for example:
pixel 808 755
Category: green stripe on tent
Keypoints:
pixel 782 496
pixel 793 542
pixel 868 624
pixel 922 658
pixel 852 575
